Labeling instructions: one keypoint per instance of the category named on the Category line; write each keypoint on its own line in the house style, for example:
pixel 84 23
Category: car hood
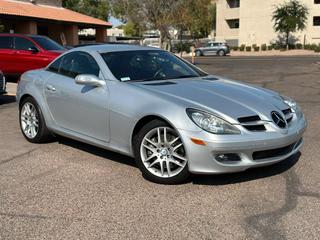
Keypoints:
pixel 229 99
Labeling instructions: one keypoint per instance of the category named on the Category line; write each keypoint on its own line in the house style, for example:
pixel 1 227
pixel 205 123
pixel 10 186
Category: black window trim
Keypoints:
pixel 61 59
pixel 12 42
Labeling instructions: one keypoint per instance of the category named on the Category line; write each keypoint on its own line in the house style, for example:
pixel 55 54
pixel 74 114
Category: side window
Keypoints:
pixel 6 42
pixel 77 63
pixel 55 66
pixel 23 43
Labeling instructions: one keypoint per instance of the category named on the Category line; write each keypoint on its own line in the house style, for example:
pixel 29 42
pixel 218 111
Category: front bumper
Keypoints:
pixel 254 149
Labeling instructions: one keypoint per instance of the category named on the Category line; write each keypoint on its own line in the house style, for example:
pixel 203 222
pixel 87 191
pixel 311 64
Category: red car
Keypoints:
pixel 20 53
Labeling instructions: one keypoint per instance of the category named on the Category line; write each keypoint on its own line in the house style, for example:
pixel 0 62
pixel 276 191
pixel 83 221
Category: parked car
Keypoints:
pixel 2 83
pixel 213 48
pixel 171 116
pixel 20 53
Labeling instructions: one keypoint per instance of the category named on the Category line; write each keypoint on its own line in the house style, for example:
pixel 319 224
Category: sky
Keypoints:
pixel 115 22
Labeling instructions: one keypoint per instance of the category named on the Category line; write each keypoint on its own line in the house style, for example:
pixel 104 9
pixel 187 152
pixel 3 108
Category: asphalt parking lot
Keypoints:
pixel 69 190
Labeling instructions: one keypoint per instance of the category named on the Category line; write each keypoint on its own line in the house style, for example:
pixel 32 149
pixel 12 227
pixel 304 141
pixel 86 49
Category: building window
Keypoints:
pixel 233 3
pixel 316 21
pixel 233 23
pixel 316 1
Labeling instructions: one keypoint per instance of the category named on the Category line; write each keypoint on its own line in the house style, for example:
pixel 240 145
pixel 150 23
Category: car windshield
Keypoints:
pixel 148 65
pixel 47 43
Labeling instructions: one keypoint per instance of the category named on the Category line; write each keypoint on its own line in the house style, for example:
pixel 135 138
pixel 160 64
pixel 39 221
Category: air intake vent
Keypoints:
pixel 160 83
pixel 210 78
pixel 252 123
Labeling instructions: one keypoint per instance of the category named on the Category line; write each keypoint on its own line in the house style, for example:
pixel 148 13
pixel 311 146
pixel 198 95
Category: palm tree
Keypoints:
pixel 290 17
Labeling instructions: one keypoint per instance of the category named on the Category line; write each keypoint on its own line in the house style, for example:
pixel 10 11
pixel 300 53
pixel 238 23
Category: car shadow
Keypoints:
pixel 248 175
pixel 100 152
pixel 221 179
pixel 5 99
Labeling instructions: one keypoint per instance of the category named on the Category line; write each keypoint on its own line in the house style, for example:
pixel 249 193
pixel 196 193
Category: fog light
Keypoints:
pixel 228 157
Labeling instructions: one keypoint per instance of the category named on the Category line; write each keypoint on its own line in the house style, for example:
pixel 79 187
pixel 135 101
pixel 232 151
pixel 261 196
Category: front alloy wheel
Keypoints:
pixel 161 155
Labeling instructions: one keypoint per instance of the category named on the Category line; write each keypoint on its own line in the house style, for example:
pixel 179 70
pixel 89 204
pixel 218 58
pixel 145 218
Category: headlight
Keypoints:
pixel 293 105
pixel 211 123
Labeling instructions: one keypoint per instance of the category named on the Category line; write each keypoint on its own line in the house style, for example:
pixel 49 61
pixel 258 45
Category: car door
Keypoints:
pixel 7 55
pixel 28 55
pixel 78 108
pixel 215 48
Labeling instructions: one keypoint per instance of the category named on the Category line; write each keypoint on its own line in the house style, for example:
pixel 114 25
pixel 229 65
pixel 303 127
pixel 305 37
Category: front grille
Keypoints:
pixel 252 123
pixel 2 82
pixel 288 114
pixel 275 152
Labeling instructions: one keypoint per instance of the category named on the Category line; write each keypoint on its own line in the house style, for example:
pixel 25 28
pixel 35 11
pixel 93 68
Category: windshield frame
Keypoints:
pixel 197 72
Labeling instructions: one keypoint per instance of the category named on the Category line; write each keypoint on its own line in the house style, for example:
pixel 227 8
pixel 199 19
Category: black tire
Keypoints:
pixel 198 53
pixel 43 134
pixel 181 177
pixel 221 53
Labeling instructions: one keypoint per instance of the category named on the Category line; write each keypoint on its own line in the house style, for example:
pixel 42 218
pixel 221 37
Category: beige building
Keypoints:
pixel 250 22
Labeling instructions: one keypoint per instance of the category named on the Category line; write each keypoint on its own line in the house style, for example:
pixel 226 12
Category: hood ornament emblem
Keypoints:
pixel 278 119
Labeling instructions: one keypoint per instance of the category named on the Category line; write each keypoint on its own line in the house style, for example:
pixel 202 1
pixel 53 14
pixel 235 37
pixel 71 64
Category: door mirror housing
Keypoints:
pixel 89 80
pixel 33 49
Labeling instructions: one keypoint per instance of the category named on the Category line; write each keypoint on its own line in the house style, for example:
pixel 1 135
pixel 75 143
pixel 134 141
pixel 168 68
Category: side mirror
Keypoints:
pixel 89 80
pixel 33 49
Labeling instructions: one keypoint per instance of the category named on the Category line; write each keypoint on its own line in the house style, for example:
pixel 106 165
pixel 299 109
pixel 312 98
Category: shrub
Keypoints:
pixel 242 47
pixel 270 47
pixel 277 47
pixel 264 47
pixel 257 49
pixel 317 50
pixel 183 47
pixel 313 46
pixel 299 46
pixel 235 48
pixel 248 49
pixel 307 47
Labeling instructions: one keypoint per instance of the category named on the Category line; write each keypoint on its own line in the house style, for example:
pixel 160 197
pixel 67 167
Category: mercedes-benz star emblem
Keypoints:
pixel 278 120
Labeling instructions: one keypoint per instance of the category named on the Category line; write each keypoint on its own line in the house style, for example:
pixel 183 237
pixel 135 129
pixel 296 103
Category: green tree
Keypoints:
pixel 131 29
pixel 195 16
pixel 95 8
pixel 289 18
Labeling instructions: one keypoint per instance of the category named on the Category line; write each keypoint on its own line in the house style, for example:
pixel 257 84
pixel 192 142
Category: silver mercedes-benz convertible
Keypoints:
pixel 172 117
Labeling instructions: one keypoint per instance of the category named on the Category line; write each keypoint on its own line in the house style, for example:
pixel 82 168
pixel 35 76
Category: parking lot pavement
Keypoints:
pixel 69 190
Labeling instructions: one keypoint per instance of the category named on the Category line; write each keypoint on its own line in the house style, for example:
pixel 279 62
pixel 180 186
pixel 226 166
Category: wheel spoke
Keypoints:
pixel 155 162
pixel 150 148
pixel 161 168
pixel 33 131
pixel 178 146
pixel 159 135
pixel 150 157
pixel 168 168
pixel 165 135
pixel 178 156
pixel 174 140
pixel 176 162
pixel 151 142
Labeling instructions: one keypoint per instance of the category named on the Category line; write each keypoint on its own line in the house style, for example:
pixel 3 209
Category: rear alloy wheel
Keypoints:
pixel 32 123
pixel 221 53
pixel 160 154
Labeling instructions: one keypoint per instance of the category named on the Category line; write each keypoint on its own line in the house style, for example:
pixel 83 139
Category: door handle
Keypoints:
pixel 50 88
